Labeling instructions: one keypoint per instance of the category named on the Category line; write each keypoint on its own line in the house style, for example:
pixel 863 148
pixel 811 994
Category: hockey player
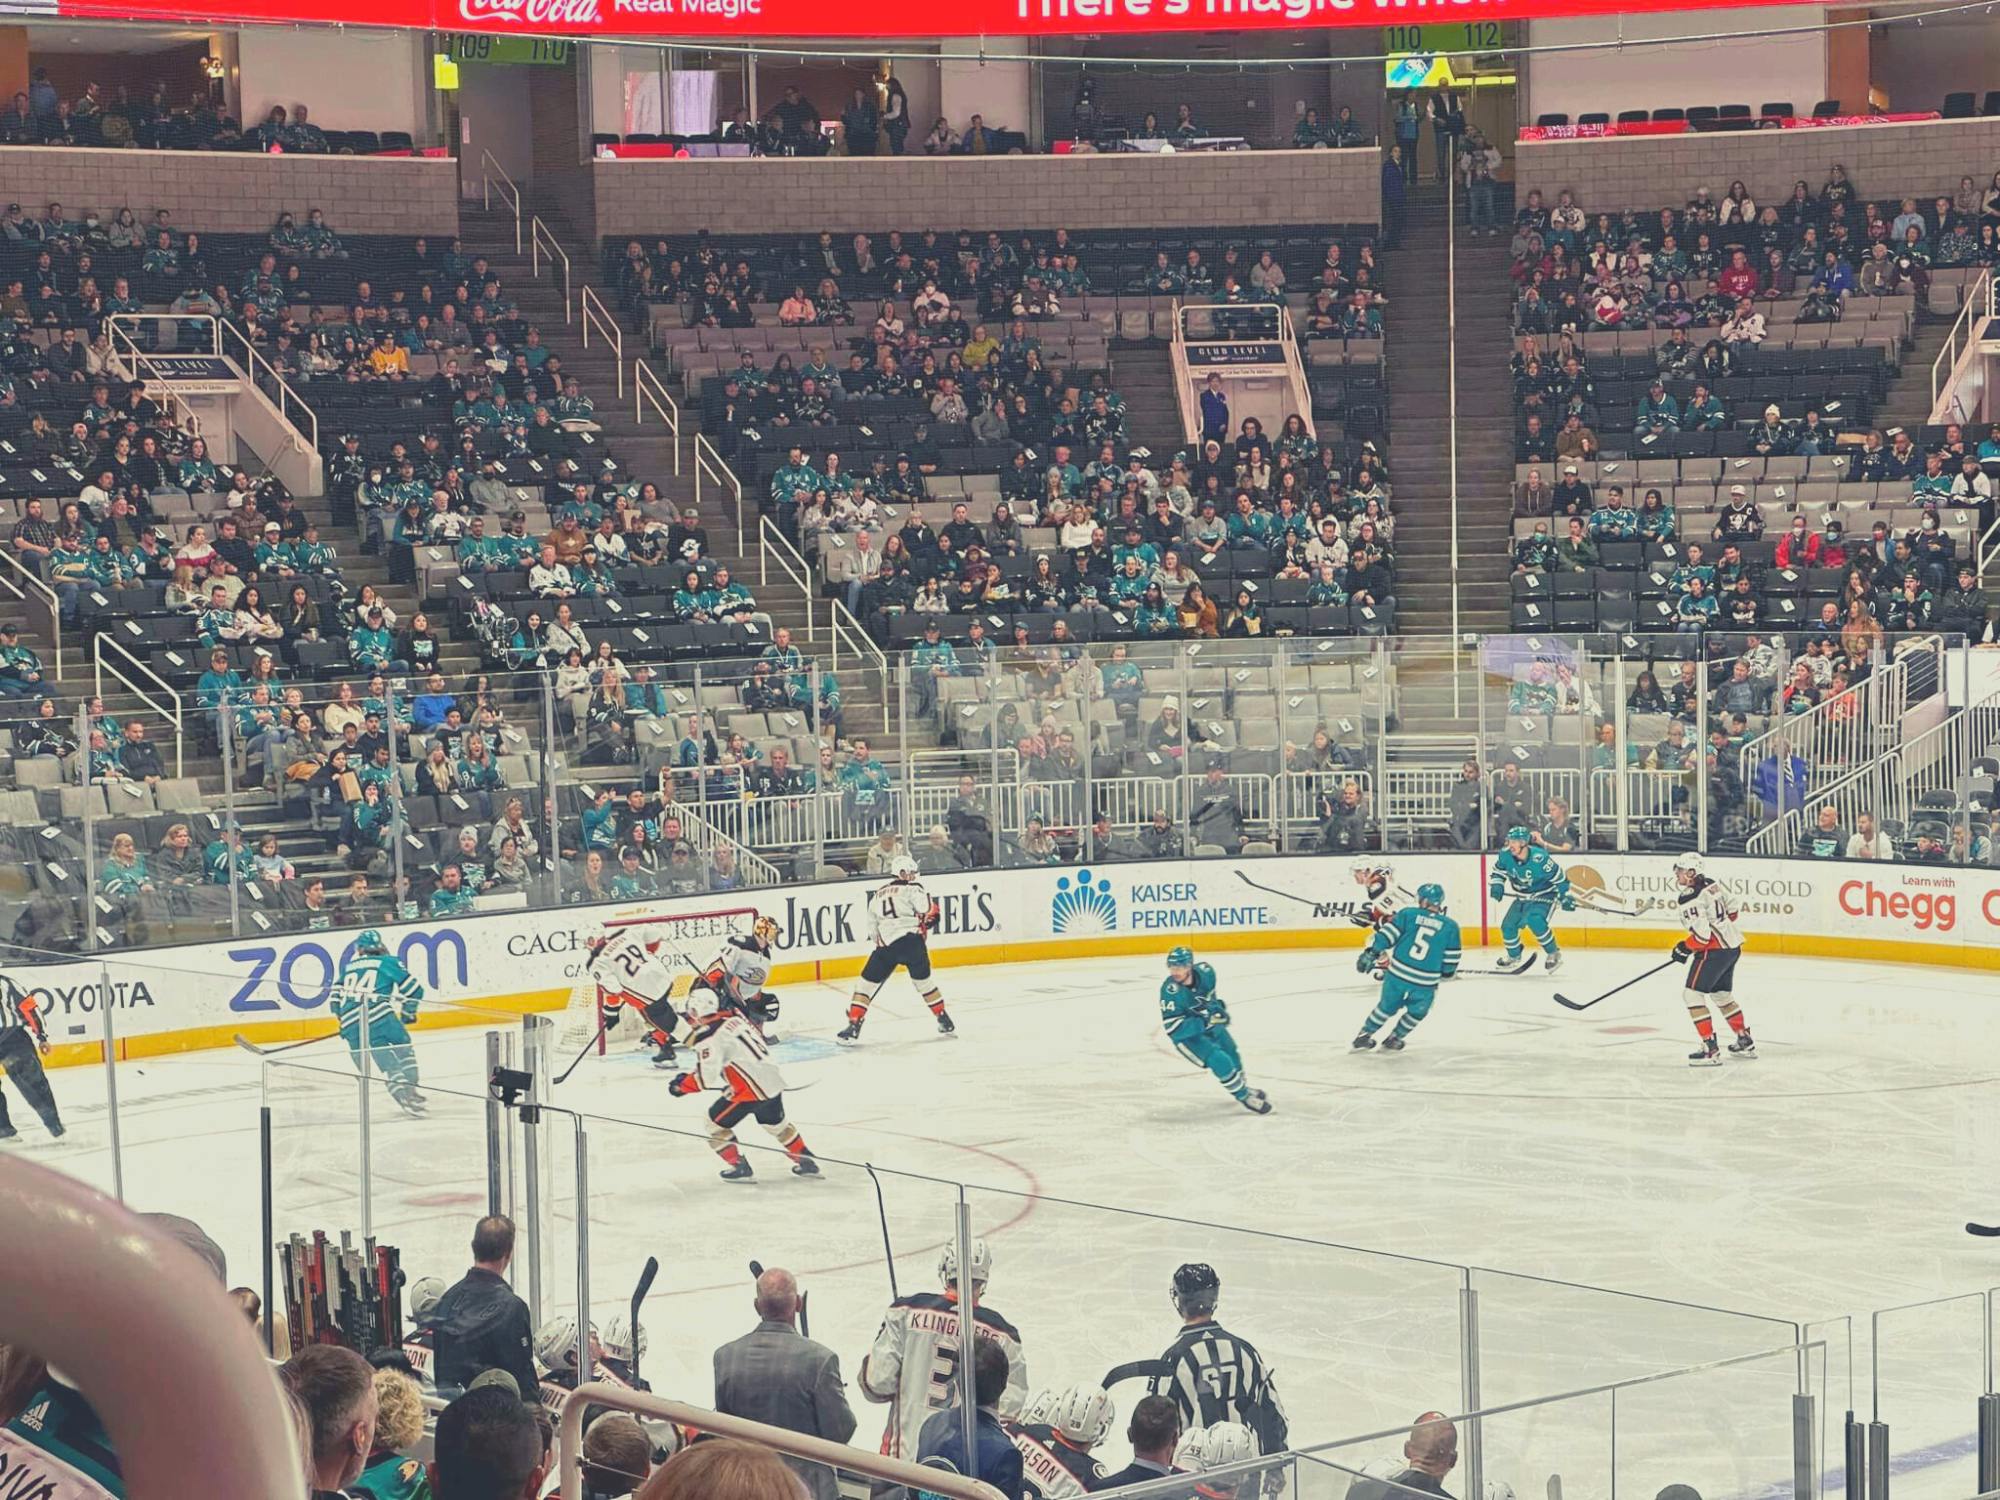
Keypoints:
pixel 632 971
pixel 902 913
pixel 1197 1023
pixel 1380 893
pixel 1525 872
pixel 1055 1447
pixel 1221 1445
pixel 737 974
pixel 914 1363
pixel 730 1058
pixel 1416 950
pixel 1214 1376
pixel 420 1342
pixel 24 1038
pixel 1710 950
pixel 375 999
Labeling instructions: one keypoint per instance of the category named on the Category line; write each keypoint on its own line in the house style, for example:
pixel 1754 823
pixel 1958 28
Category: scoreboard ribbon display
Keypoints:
pixel 880 21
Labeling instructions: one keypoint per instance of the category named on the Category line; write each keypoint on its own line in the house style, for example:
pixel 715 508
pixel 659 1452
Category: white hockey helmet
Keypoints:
pixel 1203 1450
pixel 982 1264
pixel 425 1293
pixel 903 867
pixel 1366 865
pixel 1499 1489
pixel 1041 1407
pixel 1690 864
pixel 617 1339
pixel 555 1342
pixel 1084 1414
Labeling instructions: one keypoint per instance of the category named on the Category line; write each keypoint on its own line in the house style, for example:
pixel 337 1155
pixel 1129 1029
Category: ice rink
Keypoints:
pixel 1552 1153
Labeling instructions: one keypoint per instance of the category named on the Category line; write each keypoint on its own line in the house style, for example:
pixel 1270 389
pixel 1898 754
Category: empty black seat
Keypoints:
pixel 1563 119
pixel 1826 109
pixel 1594 118
pixel 1782 108
pixel 1632 117
pixel 1734 112
pixel 1669 114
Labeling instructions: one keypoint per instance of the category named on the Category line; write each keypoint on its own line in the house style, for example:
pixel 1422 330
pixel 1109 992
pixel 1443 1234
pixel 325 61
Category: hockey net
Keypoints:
pixel 687 941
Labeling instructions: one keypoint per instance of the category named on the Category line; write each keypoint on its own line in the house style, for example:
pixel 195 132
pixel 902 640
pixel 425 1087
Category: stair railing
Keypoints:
pixel 594 316
pixel 848 633
pixel 157 694
pixel 493 178
pixel 1958 344
pixel 25 585
pixel 542 246
pixel 708 465
pixel 649 390
pixel 1451 417
pixel 773 546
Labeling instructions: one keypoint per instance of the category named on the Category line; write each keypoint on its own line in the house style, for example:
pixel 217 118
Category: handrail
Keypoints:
pixel 39 590
pixel 709 463
pixel 177 408
pixel 1184 400
pixel 287 396
pixel 112 1300
pixel 1979 302
pixel 896 1471
pixel 754 869
pixel 860 644
pixel 170 710
pixel 649 390
pixel 1451 408
pixel 593 314
pixel 489 169
pixel 775 546
pixel 1989 548
pixel 542 242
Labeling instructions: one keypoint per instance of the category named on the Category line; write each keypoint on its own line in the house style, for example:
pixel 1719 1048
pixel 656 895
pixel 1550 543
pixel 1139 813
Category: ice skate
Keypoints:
pixel 1552 960
pixel 1392 1044
pixel 1255 1102
pixel 1708 1055
pixel 805 1166
pixel 945 1028
pixel 1364 1042
pixel 849 1034
pixel 737 1171
pixel 1515 963
pixel 1743 1047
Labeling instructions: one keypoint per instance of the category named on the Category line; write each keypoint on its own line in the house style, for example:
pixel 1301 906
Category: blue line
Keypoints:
pixel 1835 1480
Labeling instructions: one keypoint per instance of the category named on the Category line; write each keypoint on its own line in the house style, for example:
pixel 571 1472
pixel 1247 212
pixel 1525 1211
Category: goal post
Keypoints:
pixel 687 941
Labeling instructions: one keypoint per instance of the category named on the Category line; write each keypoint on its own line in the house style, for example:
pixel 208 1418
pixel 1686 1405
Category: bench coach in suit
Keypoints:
pixel 775 1374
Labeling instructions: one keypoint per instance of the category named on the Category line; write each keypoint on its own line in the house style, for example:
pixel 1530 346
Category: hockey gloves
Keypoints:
pixel 1682 953
pixel 1364 961
pixel 1566 901
pixel 683 1084
pixel 1496 892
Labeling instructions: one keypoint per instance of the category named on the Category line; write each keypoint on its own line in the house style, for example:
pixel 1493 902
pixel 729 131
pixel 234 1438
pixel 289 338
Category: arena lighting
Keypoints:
pixel 702 21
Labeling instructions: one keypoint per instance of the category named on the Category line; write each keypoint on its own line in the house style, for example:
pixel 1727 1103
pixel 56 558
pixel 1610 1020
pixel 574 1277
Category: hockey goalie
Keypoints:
pixel 634 969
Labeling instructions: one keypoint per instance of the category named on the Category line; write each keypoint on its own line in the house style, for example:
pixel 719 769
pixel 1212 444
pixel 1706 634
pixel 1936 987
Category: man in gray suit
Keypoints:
pixel 775 1374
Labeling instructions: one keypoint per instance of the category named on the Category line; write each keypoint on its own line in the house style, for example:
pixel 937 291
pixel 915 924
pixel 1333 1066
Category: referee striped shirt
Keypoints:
pixel 1214 1376
pixel 11 1012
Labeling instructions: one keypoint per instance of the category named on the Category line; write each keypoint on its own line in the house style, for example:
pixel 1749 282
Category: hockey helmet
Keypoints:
pixel 1430 894
pixel 369 943
pixel 982 1264
pixel 903 867
pixel 617 1340
pixel 1499 1489
pixel 1181 957
pixel 1204 1450
pixel 555 1342
pixel 1692 865
pixel 1195 1290
pixel 1083 1415
pixel 1367 866
pixel 425 1293
pixel 765 930
pixel 1518 834
pixel 1041 1407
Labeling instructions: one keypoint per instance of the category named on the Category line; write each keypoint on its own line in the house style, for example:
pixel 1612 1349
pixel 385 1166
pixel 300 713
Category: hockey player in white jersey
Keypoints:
pixel 632 969
pixel 732 1060
pixel 1380 895
pixel 1710 950
pixel 737 975
pixel 1055 1444
pixel 902 913
pixel 913 1365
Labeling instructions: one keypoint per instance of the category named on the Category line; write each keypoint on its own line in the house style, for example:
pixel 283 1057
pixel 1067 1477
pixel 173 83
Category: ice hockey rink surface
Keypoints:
pixel 1556 1152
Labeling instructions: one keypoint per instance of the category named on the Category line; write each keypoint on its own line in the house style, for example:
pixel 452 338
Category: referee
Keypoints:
pixel 23 1039
pixel 1211 1374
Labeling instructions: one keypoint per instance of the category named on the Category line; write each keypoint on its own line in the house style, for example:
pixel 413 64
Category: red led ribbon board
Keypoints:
pixel 879 21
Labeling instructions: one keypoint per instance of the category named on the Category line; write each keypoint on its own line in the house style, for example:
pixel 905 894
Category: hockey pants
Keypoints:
pixel 1215 1050
pixel 24 1067
pixel 390 1055
pixel 1534 915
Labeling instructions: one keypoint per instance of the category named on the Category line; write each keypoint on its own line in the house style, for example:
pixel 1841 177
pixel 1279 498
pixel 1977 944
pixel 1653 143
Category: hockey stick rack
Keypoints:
pixel 337 1294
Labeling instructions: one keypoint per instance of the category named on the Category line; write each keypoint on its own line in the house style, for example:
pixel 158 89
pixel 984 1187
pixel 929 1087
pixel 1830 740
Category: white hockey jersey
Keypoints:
pixel 914 1364
pixel 630 965
pixel 739 971
pixel 899 909
pixel 1711 914
pixel 1050 1468
pixel 732 1059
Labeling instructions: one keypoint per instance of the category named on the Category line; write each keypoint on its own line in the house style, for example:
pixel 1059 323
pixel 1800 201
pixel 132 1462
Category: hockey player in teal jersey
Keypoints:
pixel 1535 882
pixel 375 999
pixel 1197 1024
pixel 1415 950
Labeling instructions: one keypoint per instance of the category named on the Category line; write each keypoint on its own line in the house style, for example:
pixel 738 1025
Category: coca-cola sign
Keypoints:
pixel 549 13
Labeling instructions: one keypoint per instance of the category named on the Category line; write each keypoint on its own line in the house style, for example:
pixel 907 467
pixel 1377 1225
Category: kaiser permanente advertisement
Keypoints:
pixel 274 988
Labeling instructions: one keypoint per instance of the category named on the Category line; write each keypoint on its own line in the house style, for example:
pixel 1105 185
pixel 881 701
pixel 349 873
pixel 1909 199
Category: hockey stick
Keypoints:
pixel 1270 890
pixel 1595 900
pixel 603 1024
pixel 882 1213
pixel 1985 1231
pixel 251 1047
pixel 638 1296
pixel 1533 956
pixel 1138 1369
pixel 1562 999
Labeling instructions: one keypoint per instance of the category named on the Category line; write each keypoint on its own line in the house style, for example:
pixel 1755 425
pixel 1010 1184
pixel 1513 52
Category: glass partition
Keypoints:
pixel 1928 1360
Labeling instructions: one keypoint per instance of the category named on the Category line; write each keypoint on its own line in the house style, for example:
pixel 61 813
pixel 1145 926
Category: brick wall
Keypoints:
pixel 227 191
pixel 1030 192
pixel 1650 171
